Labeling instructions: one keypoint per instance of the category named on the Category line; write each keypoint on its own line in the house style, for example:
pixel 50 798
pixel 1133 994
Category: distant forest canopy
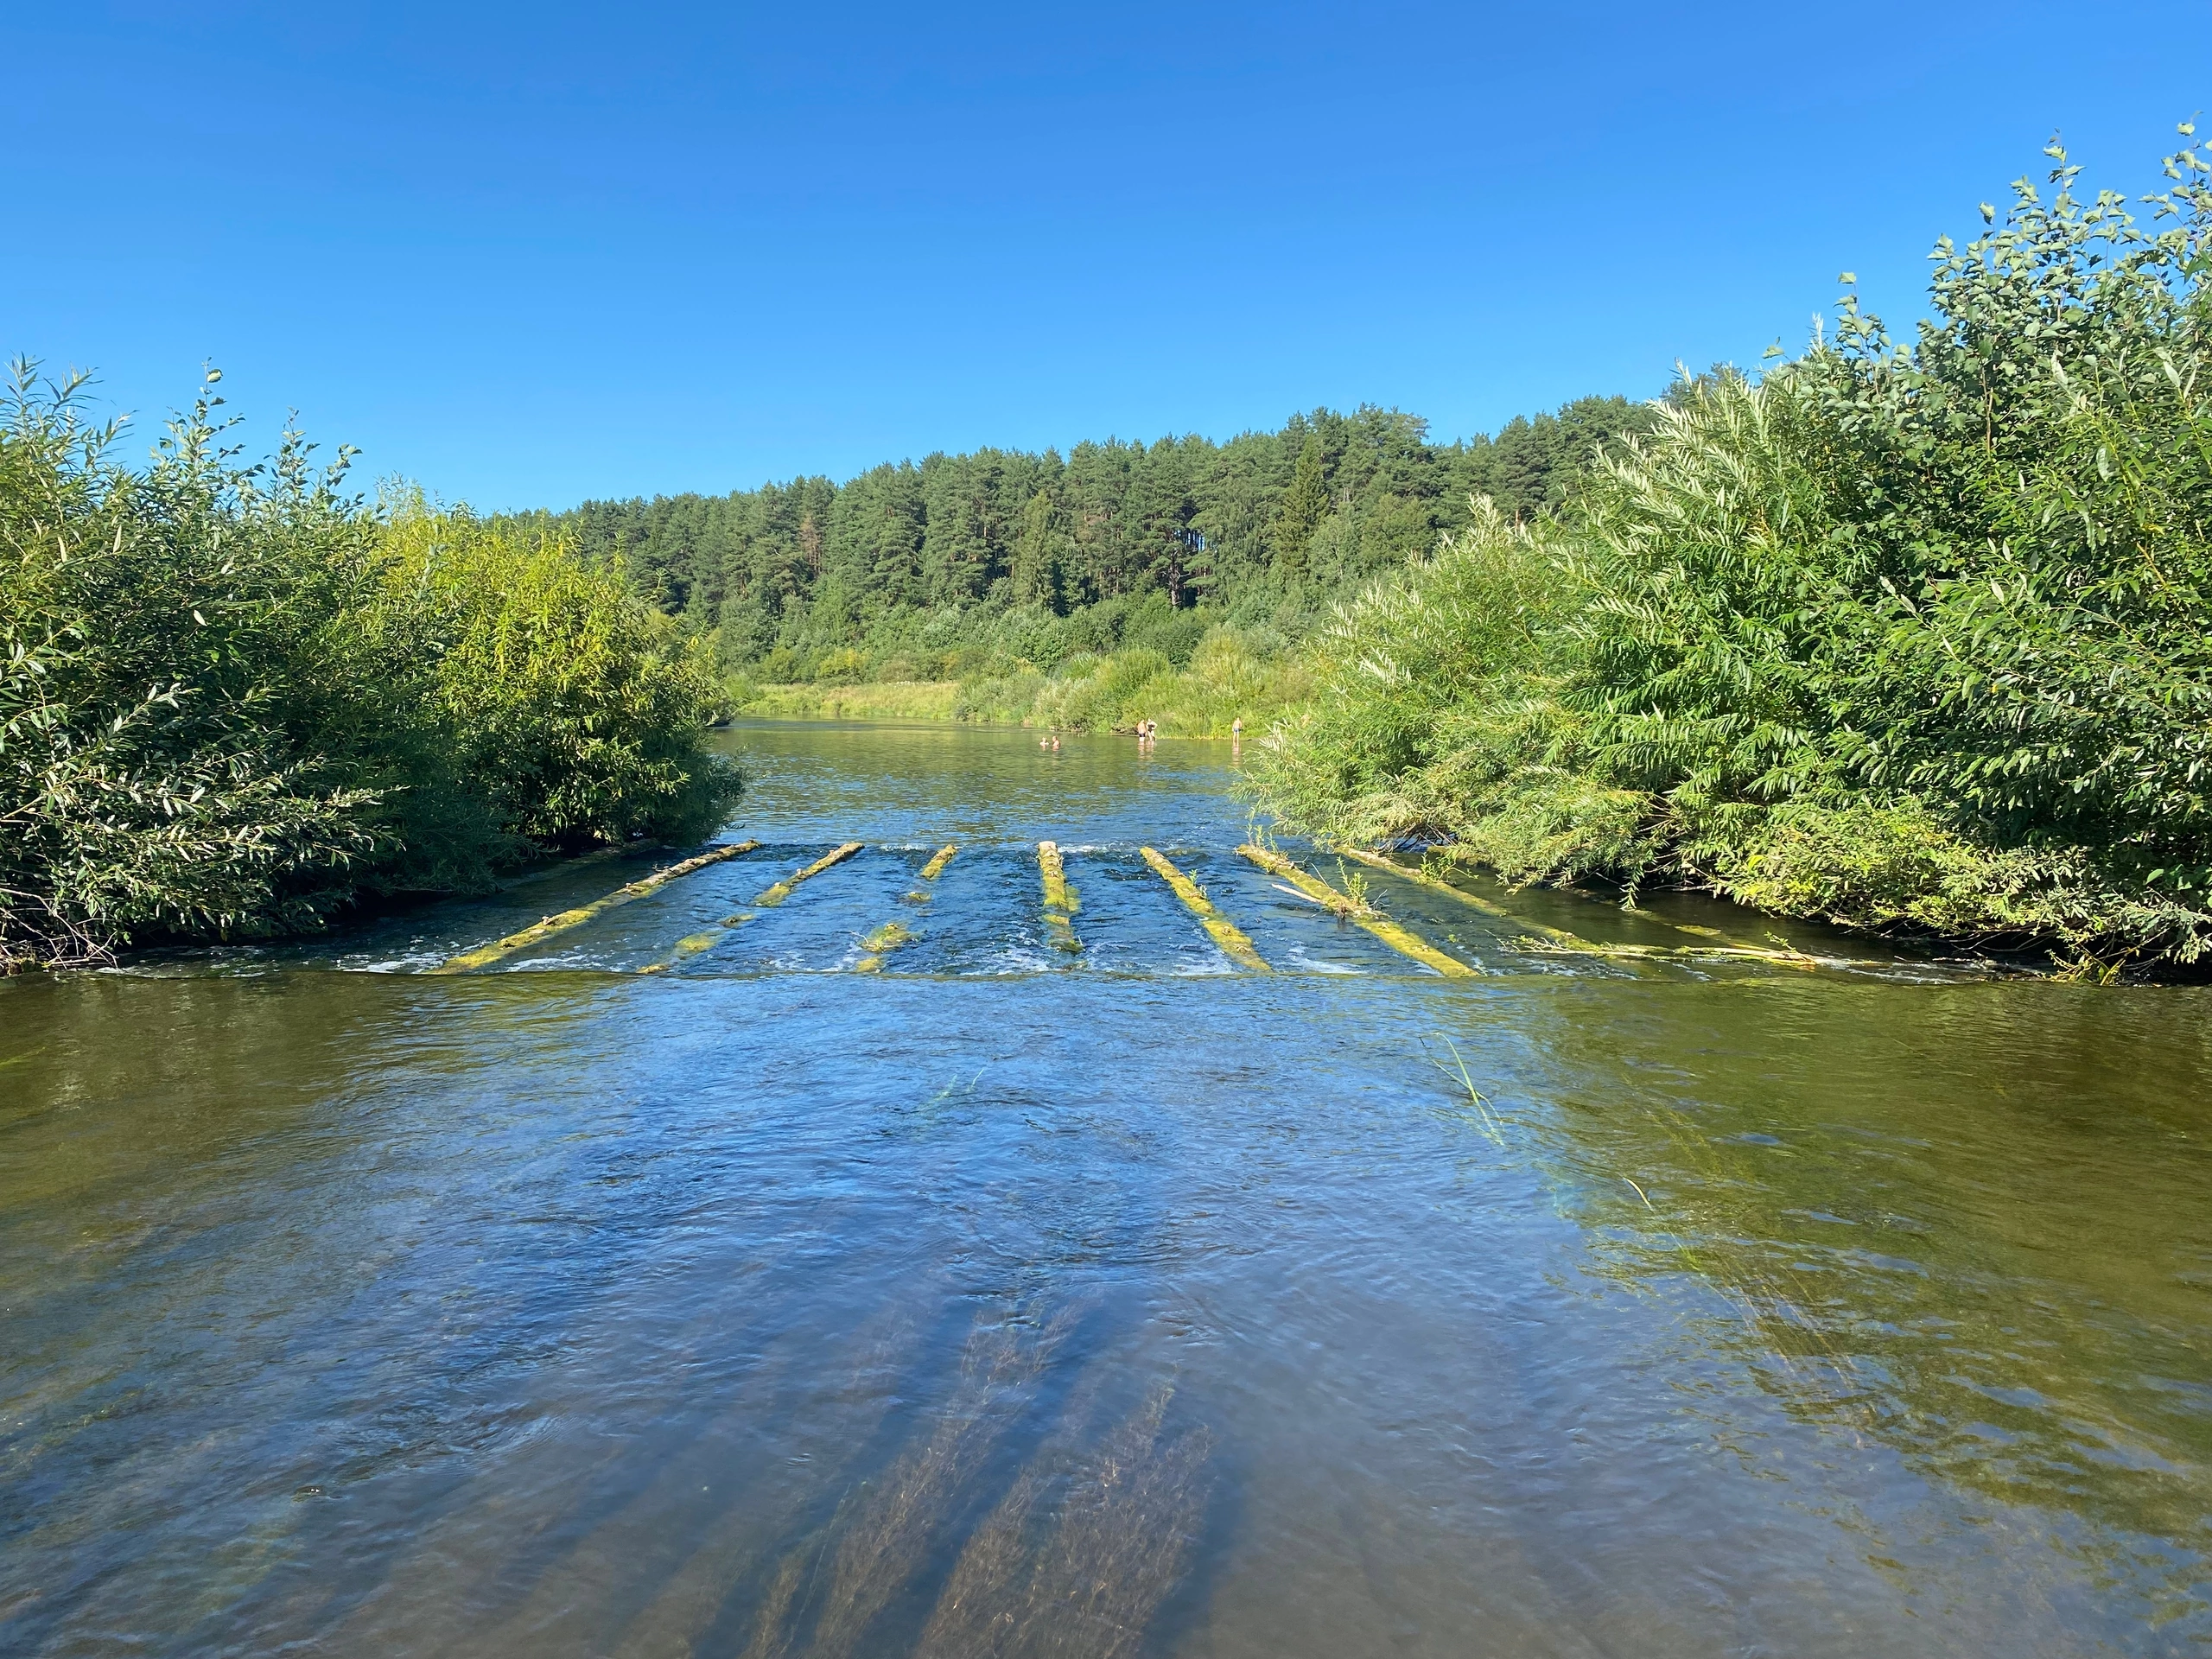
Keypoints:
pixel 968 564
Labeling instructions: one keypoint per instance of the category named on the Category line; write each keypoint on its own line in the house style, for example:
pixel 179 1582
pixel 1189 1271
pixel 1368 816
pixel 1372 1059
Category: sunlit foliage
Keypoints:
pixel 998 562
pixel 233 699
pixel 1908 635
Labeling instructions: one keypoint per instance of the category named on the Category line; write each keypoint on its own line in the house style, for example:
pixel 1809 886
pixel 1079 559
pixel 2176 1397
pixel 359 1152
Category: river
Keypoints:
pixel 1020 1300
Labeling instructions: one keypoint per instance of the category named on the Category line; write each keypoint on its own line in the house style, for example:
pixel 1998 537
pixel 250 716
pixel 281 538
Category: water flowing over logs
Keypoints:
pixel 1223 932
pixel 484 956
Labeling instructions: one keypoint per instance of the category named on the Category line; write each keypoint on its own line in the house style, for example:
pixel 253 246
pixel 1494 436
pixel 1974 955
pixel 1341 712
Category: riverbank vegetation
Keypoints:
pixel 870 700
pixel 1210 677
pixel 1175 581
pixel 1911 635
pixel 234 699
pixel 1049 588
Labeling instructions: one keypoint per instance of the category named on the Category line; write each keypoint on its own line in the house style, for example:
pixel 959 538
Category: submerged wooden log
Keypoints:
pixel 484 956
pixel 888 938
pixel 880 945
pixel 1061 902
pixel 692 944
pixel 1218 927
pixel 1557 940
pixel 1437 884
pixel 1398 938
pixel 776 895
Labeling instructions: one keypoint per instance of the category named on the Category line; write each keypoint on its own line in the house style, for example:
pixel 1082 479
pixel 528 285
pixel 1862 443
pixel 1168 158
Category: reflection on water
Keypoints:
pixel 1979 1240
pixel 1096 1305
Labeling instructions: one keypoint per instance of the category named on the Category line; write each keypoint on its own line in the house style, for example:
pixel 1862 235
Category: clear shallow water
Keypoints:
pixel 1006 1303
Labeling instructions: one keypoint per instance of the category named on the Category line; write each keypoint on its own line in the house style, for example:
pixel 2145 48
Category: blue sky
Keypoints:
pixel 532 254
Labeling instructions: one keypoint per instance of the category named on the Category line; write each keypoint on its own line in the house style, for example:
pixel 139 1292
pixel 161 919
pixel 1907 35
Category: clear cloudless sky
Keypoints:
pixel 532 253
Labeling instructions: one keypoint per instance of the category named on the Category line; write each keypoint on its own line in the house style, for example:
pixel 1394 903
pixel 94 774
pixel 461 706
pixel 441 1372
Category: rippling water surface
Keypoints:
pixel 1010 1301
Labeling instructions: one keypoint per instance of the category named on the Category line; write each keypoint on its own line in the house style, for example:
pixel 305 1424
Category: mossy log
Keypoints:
pixel 1218 927
pixel 770 897
pixel 1398 938
pixel 484 956
pixel 1060 902
pixel 1557 940
pixel 880 945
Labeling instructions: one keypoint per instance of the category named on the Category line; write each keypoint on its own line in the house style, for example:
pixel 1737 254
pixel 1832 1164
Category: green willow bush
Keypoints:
pixel 233 700
pixel 1907 636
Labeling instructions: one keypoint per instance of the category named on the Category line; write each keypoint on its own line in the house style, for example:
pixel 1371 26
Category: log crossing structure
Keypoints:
pixel 1061 906
pixel 1223 931
pixel 484 956
pixel 1398 938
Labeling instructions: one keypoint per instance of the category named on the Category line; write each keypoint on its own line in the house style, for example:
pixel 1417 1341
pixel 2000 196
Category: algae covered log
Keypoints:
pixel 1436 885
pixel 1061 902
pixel 1398 938
pixel 1218 927
pixel 692 945
pixel 782 890
pixel 485 954
pixel 880 945
pixel 892 935
pixel 1557 939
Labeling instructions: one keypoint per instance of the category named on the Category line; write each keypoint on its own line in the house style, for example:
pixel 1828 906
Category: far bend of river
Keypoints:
pixel 1012 1302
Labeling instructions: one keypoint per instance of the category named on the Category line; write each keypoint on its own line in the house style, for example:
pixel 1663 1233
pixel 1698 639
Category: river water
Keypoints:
pixel 1014 1301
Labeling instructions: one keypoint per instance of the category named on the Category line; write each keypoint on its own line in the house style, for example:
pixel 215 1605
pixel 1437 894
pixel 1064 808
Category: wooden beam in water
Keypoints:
pixel 1557 939
pixel 880 945
pixel 484 956
pixel 769 897
pixel 692 944
pixel 1398 938
pixel 706 938
pixel 1061 902
pixel 1422 878
pixel 888 938
pixel 1218 927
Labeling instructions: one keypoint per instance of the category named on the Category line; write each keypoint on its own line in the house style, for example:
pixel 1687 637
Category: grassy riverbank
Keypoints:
pixel 881 699
pixel 1226 677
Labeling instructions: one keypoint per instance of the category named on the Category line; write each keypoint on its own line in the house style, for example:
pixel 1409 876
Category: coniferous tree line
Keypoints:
pixel 983 562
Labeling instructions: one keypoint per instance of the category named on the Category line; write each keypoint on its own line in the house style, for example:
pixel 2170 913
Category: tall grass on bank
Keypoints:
pixel 876 700
pixel 233 699
pixel 1913 636
pixel 1227 676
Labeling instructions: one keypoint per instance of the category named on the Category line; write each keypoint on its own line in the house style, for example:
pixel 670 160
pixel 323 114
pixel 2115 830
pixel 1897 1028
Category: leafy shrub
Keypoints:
pixel 574 709
pixel 1907 636
pixel 844 667
pixel 233 700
